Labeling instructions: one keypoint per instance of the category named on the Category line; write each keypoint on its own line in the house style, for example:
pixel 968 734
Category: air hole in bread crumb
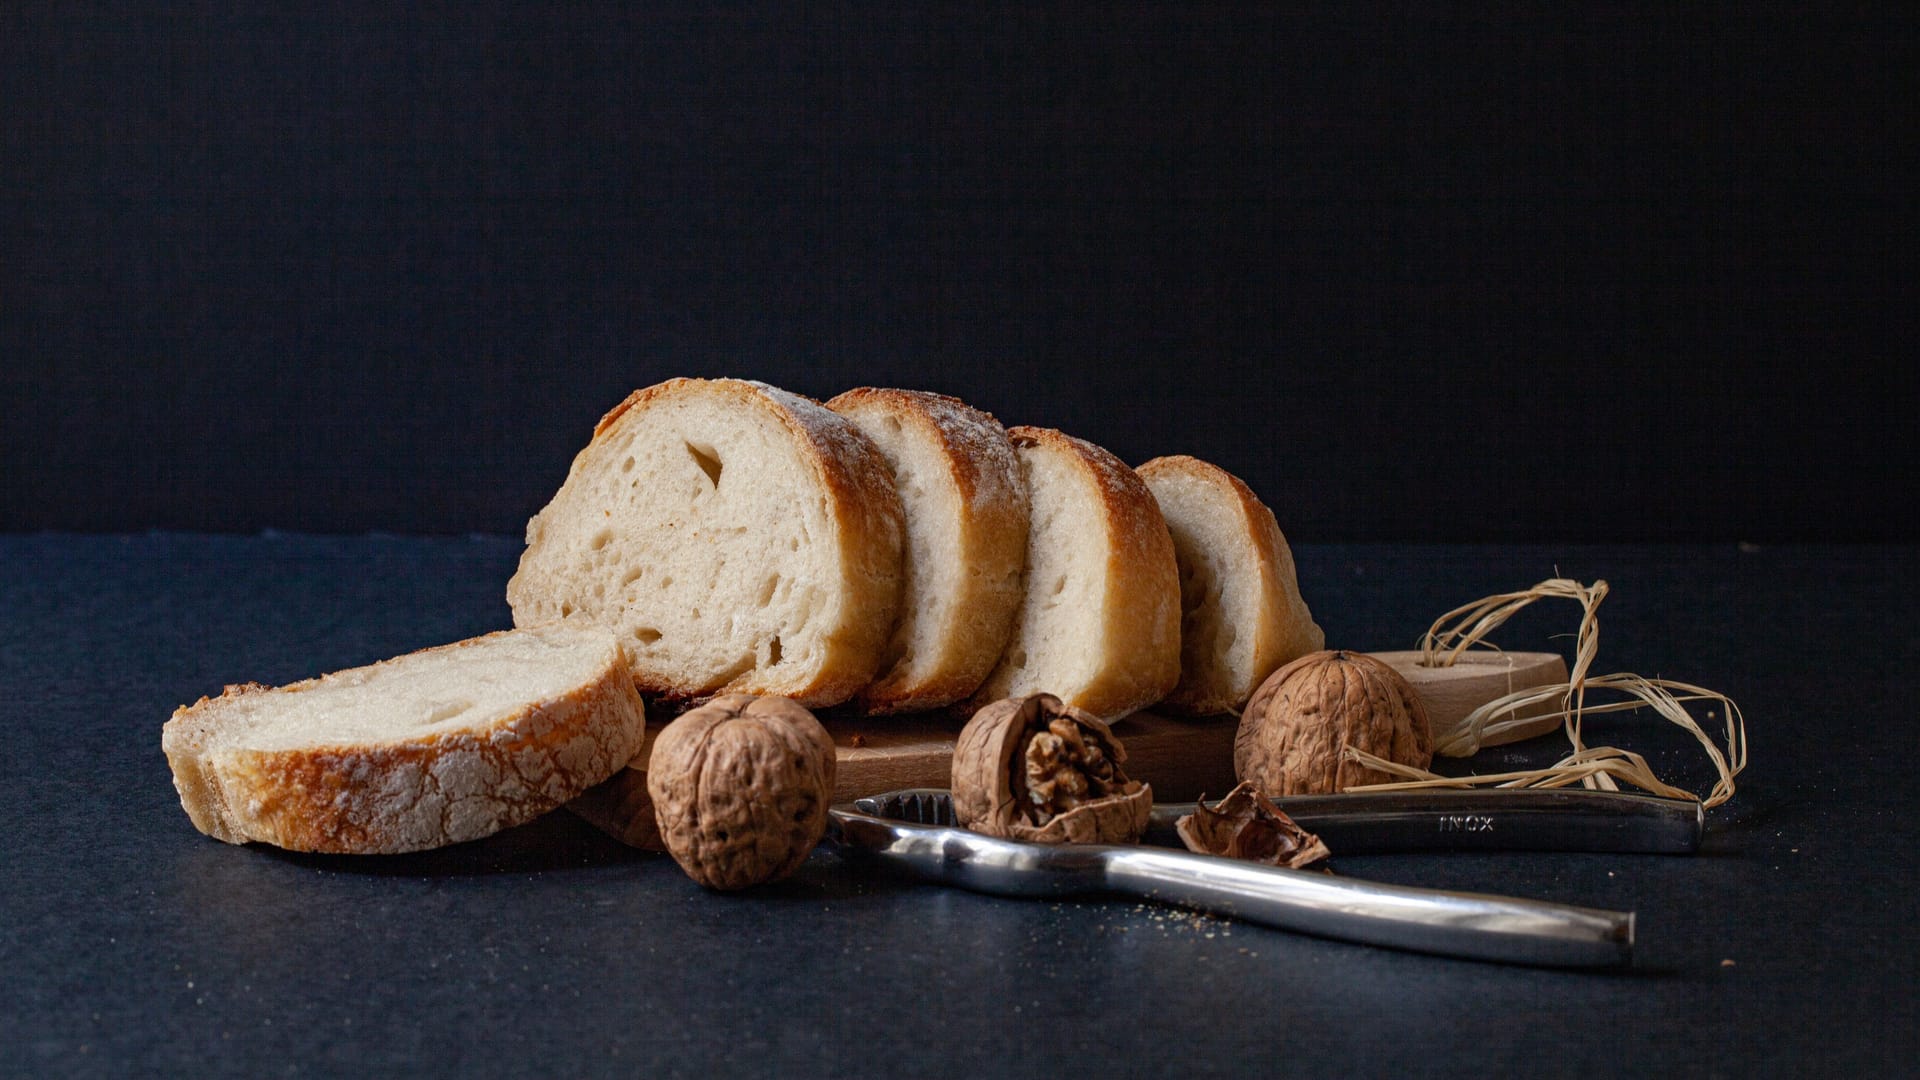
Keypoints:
pixel 773 651
pixel 1018 658
pixel 1059 585
pixel 708 461
pixel 602 539
pixel 633 575
pixel 666 581
pixel 627 465
pixel 646 635
pixel 566 610
pixel 767 588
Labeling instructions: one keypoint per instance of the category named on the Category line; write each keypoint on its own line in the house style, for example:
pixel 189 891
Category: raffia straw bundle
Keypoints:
pixel 1603 767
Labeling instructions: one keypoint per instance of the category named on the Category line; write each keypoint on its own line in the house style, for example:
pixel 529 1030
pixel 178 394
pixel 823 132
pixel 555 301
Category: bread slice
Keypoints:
pixel 431 748
pixel 739 539
pixel 1241 614
pixel 966 507
pixel 1099 623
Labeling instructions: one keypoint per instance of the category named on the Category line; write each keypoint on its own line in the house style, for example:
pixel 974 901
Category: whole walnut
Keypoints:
pixel 1038 769
pixel 1298 724
pixel 740 787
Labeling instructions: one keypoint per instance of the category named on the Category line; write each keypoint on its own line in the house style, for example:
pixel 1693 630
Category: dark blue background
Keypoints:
pixel 1531 273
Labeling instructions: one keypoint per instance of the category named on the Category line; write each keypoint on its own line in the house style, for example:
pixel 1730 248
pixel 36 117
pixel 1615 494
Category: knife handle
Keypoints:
pixel 1533 820
pixel 1474 925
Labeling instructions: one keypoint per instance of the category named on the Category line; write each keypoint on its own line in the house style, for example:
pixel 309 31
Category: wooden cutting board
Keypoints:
pixel 1182 758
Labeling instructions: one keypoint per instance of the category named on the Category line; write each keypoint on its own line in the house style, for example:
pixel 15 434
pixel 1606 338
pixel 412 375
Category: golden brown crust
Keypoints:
pixel 407 794
pixel 980 461
pixel 967 433
pixel 1142 628
pixel 614 414
pixel 914 407
pixel 872 530
pixel 1141 539
pixel 1285 630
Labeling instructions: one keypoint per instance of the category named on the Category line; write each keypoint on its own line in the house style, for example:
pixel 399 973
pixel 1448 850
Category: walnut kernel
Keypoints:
pixel 1038 769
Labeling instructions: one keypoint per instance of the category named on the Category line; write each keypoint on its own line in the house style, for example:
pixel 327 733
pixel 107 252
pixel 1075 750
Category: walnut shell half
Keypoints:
pixel 1295 730
pixel 740 787
pixel 1038 769
pixel 1245 825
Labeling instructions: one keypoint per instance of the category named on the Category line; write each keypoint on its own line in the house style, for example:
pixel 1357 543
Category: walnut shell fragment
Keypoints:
pixel 740 788
pixel 1038 769
pixel 1295 730
pixel 1246 825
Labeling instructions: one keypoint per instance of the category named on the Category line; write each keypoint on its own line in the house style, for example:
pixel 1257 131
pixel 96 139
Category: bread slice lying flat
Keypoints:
pixel 431 748
pixel 738 538
pixel 1099 623
pixel 1241 611
pixel 966 519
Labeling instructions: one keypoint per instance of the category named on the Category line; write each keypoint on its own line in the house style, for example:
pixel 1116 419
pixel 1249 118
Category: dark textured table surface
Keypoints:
pixel 131 943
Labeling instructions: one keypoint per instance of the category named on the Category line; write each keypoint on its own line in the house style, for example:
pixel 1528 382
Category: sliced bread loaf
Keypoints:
pixel 431 748
pixel 1241 614
pixel 1099 621
pixel 966 521
pixel 738 538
